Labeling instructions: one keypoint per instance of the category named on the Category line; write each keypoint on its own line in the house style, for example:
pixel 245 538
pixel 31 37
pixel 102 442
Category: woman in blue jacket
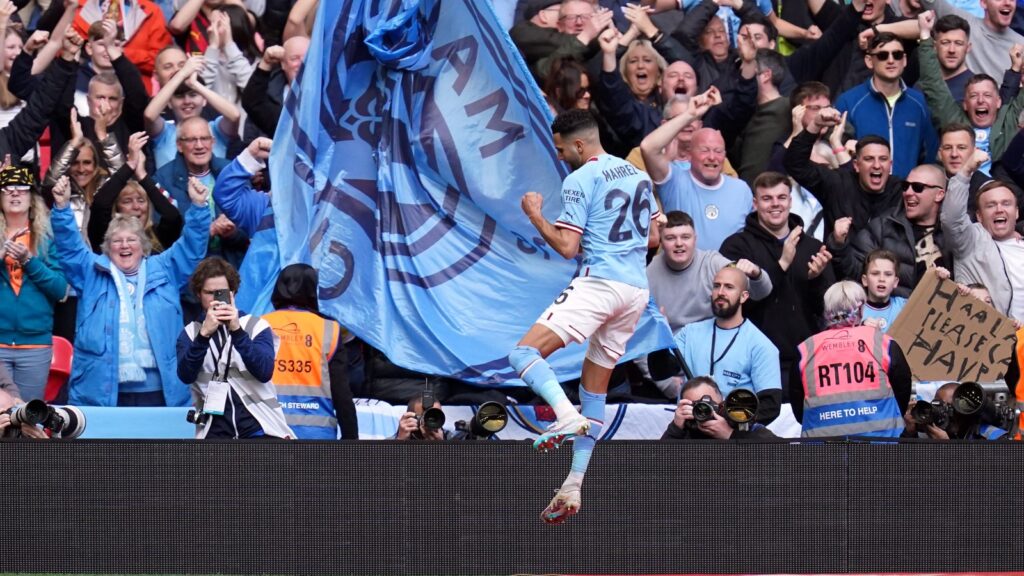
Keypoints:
pixel 129 314
pixel 32 285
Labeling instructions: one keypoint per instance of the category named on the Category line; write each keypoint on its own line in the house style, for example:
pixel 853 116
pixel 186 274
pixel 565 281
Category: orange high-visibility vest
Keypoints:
pixel 301 375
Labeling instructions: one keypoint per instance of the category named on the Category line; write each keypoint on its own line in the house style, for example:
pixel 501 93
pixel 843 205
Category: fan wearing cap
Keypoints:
pixel 186 95
pixel 33 283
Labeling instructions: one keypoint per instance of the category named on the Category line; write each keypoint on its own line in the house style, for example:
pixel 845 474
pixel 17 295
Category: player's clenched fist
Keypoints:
pixel 532 204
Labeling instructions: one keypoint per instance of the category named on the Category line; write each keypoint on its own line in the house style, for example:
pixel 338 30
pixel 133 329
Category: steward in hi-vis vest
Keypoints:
pixel 846 384
pixel 854 379
pixel 1015 383
pixel 310 371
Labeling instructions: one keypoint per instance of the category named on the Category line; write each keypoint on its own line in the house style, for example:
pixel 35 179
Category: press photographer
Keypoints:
pixel 228 361
pixel 36 419
pixel 703 414
pixel 962 411
pixel 419 423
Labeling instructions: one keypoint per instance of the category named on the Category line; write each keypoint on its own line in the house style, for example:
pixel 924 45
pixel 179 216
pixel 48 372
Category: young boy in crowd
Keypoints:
pixel 879 279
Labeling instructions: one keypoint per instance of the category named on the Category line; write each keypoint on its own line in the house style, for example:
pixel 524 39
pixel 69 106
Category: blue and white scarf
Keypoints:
pixel 134 352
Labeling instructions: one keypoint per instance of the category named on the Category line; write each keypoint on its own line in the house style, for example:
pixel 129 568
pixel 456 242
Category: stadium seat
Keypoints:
pixel 60 367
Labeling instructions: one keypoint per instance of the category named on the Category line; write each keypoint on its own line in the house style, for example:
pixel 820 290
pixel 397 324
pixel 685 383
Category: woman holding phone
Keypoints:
pixel 227 358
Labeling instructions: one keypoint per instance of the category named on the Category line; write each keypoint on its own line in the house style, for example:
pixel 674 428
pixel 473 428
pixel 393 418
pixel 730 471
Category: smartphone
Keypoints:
pixel 222 295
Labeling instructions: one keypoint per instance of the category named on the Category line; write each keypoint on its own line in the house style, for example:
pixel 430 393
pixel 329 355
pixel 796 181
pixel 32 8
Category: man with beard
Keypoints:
pixel 731 350
pixel 602 304
pixel 680 276
pixel 797 264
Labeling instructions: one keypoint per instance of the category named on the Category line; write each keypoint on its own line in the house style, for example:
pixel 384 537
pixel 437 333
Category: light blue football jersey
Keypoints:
pixel 611 203
pixel 887 314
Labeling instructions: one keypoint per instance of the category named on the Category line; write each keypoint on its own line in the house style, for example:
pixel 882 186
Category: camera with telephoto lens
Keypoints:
pixel 984 404
pixel 490 418
pixel 59 421
pixel 740 408
pixel 934 413
pixel 431 418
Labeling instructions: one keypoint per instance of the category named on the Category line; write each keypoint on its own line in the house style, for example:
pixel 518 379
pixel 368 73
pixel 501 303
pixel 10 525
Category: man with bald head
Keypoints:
pixel 718 203
pixel 911 231
pixel 271 81
pixel 729 349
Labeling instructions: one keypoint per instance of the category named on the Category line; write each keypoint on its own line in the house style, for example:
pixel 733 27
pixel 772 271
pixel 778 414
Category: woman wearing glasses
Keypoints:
pixel 32 285
pixel 129 312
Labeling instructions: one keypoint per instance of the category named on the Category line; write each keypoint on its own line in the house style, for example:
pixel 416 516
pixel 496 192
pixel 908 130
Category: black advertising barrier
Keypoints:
pixel 379 507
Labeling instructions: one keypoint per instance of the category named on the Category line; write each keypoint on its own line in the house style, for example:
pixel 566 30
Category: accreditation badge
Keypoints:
pixel 216 398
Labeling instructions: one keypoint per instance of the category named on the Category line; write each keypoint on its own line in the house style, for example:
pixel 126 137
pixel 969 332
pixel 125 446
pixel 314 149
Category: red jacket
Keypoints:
pixel 149 38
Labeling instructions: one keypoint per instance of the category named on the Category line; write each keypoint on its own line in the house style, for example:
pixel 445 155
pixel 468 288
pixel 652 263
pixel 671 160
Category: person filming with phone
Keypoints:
pixel 227 359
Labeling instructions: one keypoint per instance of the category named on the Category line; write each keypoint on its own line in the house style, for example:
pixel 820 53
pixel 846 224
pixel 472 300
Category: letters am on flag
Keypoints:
pixel 398 169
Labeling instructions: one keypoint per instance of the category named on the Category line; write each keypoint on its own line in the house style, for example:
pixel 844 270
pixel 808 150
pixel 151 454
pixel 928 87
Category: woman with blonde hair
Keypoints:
pixel 138 197
pixel 33 283
pixel 11 42
pixel 79 159
pixel 853 379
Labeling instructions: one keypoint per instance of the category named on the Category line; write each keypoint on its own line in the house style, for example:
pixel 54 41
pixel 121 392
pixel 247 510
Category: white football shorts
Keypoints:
pixel 605 311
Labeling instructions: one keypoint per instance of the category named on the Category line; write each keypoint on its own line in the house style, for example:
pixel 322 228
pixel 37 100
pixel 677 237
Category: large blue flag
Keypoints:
pixel 398 169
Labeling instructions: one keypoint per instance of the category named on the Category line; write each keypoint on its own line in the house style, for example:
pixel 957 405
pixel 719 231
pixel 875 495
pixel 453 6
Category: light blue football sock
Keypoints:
pixel 583 446
pixel 538 375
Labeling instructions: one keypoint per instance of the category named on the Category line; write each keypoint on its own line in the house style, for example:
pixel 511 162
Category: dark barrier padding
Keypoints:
pixel 473 508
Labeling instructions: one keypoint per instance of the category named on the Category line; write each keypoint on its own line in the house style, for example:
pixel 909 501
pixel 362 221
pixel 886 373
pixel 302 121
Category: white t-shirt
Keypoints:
pixel 1013 259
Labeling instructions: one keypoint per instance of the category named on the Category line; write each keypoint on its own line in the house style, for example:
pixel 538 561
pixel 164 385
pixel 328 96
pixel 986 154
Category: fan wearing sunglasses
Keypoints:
pixel 885 106
pixel 911 231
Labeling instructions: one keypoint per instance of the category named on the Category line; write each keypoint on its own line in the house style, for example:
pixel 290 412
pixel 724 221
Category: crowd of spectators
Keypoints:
pixel 793 144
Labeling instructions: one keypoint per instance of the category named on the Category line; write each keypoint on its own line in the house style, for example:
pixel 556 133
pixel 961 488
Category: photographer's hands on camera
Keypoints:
pixel 408 425
pixel 220 314
pixel 718 427
pixel 911 427
pixel 27 430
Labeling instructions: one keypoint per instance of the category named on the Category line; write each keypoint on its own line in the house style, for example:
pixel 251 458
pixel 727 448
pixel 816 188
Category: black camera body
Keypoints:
pixel 704 409
pixel 431 418
pixel 60 421
pixel 935 413
pixel 197 417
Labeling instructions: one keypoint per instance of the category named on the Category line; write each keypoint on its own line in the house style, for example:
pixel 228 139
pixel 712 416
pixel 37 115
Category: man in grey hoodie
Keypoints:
pixel 989 251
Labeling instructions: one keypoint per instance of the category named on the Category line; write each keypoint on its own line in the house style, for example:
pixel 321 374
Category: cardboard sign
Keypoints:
pixel 949 337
